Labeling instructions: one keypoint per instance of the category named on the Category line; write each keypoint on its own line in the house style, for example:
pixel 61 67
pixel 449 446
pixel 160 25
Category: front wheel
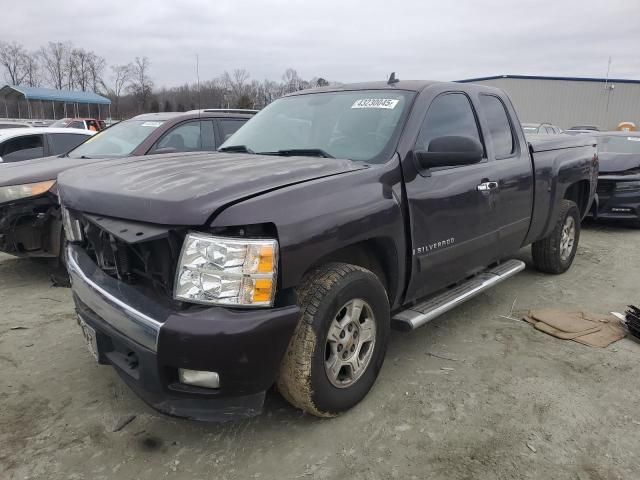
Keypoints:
pixel 340 342
pixel 555 253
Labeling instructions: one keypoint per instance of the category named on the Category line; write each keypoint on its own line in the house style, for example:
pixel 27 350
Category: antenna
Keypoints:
pixel 606 81
pixel 392 79
pixel 199 102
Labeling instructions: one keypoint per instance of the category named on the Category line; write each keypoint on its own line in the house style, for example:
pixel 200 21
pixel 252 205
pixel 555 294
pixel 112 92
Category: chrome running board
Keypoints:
pixel 425 311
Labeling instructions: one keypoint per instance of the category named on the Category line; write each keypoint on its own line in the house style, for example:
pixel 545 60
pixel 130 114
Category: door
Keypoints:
pixel 512 171
pixel 452 221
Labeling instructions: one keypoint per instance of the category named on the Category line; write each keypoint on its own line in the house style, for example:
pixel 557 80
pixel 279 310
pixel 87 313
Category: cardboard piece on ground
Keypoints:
pixel 586 328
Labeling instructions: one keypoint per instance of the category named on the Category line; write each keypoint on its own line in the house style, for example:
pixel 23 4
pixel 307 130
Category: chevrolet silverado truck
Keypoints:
pixel 30 221
pixel 286 257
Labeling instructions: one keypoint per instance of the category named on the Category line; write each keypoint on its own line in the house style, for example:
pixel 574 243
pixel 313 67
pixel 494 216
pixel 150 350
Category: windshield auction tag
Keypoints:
pixel 633 139
pixel 152 124
pixel 388 103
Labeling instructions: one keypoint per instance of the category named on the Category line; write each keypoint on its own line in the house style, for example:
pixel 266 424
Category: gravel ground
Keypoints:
pixel 472 395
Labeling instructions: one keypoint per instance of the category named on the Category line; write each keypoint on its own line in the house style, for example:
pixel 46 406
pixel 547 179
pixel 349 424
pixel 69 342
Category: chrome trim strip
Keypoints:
pixel 102 294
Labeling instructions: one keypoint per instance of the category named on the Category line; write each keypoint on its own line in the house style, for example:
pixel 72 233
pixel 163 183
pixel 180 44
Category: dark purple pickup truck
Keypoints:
pixel 286 257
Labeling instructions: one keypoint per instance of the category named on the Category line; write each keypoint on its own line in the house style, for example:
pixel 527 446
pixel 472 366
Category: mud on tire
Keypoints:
pixel 305 380
pixel 553 254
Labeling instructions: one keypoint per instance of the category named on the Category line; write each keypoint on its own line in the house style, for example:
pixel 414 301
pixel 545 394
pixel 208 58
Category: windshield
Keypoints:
pixel 358 125
pixel 116 141
pixel 619 144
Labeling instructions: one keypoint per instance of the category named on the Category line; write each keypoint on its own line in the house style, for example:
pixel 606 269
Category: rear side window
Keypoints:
pixel 22 148
pixel 229 126
pixel 449 115
pixel 499 126
pixel 64 142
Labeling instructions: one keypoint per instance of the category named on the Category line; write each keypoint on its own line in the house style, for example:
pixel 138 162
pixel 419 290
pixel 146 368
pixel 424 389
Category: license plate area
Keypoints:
pixel 90 338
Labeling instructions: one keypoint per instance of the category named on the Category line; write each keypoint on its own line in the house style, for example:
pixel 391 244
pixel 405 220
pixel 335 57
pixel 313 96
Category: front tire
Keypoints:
pixel 338 347
pixel 555 253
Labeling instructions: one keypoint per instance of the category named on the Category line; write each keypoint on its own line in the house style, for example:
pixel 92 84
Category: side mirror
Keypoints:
pixel 165 150
pixel 450 151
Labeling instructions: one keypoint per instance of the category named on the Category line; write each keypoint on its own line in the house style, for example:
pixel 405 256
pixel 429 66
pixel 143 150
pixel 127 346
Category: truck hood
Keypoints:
pixel 619 163
pixel 185 189
pixel 37 170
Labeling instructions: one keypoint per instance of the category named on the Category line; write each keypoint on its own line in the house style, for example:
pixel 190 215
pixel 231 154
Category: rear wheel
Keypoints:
pixel 340 342
pixel 555 253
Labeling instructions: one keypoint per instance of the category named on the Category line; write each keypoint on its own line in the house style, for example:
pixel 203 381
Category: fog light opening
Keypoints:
pixel 199 378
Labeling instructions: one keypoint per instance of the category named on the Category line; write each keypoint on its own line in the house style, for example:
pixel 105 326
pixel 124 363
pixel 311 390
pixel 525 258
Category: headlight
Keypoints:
pixel 226 271
pixel 16 192
pixel 627 186
pixel 72 226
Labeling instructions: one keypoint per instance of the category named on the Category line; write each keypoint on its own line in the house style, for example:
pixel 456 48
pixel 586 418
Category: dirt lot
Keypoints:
pixel 470 396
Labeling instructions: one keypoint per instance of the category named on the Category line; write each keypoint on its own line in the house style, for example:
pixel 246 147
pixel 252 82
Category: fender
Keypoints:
pixel 315 218
pixel 555 171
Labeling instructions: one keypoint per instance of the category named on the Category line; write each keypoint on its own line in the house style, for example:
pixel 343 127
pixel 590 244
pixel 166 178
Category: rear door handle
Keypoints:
pixel 487 186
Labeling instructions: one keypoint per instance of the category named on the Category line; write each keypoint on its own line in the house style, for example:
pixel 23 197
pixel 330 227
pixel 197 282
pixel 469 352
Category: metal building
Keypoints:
pixel 42 103
pixel 569 101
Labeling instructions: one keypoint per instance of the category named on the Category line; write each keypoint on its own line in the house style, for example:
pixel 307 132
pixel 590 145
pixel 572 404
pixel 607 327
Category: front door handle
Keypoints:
pixel 487 186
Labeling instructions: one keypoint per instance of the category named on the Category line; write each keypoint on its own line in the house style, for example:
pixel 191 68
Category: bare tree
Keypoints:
pixel 32 70
pixel 121 75
pixel 13 58
pixel 55 60
pixel 141 84
pixel 96 67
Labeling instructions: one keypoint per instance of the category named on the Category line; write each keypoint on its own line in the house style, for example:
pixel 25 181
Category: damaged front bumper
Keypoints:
pixel 147 342
pixel 31 227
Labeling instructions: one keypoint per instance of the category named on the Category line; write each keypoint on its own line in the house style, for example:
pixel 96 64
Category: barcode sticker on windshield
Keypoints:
pixel 388 103
pixel 152 124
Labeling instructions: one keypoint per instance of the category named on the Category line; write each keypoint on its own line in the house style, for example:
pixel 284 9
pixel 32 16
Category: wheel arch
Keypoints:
pixel 379 255
pixel 579 192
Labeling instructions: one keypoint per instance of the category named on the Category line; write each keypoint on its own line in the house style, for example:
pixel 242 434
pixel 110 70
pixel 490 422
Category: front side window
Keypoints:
pixel 450 114
pixel 22 148
pixel 117 141
pixel 499 126
pixel 189 136
pixel 360 125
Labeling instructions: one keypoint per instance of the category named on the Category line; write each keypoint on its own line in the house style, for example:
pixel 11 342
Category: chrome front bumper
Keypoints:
pixel 119 305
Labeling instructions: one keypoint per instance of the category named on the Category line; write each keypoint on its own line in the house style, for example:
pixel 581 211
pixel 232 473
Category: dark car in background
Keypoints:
pixel 541 129
pixel 619 177
pixel 29 211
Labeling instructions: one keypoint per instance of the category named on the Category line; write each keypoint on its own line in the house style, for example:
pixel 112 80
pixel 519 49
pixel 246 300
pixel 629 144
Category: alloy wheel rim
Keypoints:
pixel 350 343
pixel 568 238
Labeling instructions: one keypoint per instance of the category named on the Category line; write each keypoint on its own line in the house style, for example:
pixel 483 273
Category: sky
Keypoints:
pixel 343 41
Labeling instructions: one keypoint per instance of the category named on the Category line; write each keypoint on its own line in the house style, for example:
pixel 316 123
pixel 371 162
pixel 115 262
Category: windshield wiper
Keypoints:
pixel 236 148
pixel 303 152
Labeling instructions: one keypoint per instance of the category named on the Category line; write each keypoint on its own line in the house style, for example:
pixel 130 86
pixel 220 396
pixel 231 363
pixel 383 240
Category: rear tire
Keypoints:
pixel 555 253
pixel 339 345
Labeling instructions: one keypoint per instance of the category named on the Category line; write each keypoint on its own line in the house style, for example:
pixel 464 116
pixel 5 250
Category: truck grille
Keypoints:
pixel 605 190
pixel 148 265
